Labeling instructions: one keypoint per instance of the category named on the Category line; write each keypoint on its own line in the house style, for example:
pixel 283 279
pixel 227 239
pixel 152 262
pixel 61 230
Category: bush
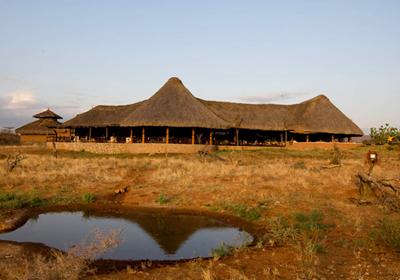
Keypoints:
pixel 299 165
pixel 14 201
pixel 385 134
pixel 390 232
pixel 336 156
pixel 310 221
pixel 245 212
pixel 72 265
pixel 281 231
pixel 8 138
pixel 88 198
pixel 222 251
pixel 300 226
pixel 162 198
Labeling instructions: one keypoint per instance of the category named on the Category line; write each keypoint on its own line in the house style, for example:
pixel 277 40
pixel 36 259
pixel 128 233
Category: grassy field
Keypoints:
pixel 310 226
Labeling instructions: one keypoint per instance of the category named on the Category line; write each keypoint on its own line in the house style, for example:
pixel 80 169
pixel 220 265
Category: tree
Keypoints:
pixel 385 134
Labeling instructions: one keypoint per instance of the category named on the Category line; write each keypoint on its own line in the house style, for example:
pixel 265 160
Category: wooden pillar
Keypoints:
pixel 237 136
pixel 143 131
pixel 285 137
pixel 167 135
pixel 106 133
pixel 281 135
pixel 211 136
pixel 307 138
pixel 193 135
pixel 90 133
pixel 131 135
pixel 333 138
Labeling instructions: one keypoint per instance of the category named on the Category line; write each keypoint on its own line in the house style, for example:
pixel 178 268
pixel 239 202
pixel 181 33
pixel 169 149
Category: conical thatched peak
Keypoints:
pixel 173 80
pixel 47 114
pixel 174 105
pixel 317 98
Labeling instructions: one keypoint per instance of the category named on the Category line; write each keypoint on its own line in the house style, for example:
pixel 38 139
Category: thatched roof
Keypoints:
pixel 250 116
pixel 47 121
pixel 319 115
pixel 39 127
pixel 173 105
pixel 47 114
pixel 102 115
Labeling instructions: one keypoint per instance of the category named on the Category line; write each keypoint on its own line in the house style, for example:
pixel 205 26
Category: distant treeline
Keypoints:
pixel 8 137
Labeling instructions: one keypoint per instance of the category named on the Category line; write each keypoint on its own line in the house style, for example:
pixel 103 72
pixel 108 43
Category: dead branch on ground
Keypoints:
pixel 13 161
pixel 386 191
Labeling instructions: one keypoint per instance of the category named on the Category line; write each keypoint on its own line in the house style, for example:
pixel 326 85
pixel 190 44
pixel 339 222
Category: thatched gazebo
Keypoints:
pixel 40 130
pixel 174 115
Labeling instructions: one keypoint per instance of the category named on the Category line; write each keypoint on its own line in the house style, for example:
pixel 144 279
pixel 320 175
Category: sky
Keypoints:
pixel 71 55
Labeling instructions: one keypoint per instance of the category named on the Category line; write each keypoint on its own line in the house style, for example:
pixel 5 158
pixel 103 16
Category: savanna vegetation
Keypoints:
pixel 312 222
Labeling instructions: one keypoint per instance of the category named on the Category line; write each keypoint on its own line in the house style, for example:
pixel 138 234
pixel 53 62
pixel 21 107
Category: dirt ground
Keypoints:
pixel 271 188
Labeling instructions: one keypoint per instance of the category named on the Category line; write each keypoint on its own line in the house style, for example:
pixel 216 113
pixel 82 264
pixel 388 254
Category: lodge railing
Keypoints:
pixel 161 140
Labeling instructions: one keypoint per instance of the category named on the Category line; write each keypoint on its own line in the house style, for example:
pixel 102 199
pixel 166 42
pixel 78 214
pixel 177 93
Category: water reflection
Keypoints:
pixel 144 235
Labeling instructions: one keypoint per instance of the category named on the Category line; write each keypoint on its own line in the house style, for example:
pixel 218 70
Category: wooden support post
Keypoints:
pixel 211 137
pixel 143 131
pixel 281 136
pixel 307 138
pixel 167 136
pixel 237 136
pixel 90 133
pixel 106 133
pixel 285 137
pixel 333 138
pixel 131 135
pixel 193 135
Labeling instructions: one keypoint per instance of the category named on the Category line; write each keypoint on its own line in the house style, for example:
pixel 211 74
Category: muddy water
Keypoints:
pixel 144 235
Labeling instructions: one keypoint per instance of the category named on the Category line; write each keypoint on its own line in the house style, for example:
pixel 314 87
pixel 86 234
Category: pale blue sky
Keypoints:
pixel 72 55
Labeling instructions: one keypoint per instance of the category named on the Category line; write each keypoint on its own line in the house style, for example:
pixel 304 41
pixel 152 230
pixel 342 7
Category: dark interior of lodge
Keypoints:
pixel 204 136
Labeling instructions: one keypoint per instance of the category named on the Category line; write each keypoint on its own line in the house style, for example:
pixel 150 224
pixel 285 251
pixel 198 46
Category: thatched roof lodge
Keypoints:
pixel 174 115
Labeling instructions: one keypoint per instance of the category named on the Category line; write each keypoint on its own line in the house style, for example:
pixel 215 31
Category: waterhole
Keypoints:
pixel 143 236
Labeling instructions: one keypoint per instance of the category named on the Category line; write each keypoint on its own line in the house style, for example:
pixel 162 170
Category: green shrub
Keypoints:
pixel 36 201
pixel 299 165
pixel 385 134
pixel 310 221
pixel 88 198
pixel 14 201
pixel 246 212
pixel 7 196
pixel 222 251
pixel 281 230
pixel 389 232
pixel 162 198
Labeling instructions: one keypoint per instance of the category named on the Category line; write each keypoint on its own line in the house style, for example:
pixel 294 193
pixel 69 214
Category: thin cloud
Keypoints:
pixel 271 98
pixel 18 107
pixel 19 99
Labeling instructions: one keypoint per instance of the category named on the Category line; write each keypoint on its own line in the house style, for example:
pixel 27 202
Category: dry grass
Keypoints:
pixel 278 183
pixel 71 265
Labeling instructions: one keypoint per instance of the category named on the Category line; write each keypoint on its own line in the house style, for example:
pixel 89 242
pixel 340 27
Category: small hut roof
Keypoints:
pixel 174 105
pixel 39 127
pixel 47 114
